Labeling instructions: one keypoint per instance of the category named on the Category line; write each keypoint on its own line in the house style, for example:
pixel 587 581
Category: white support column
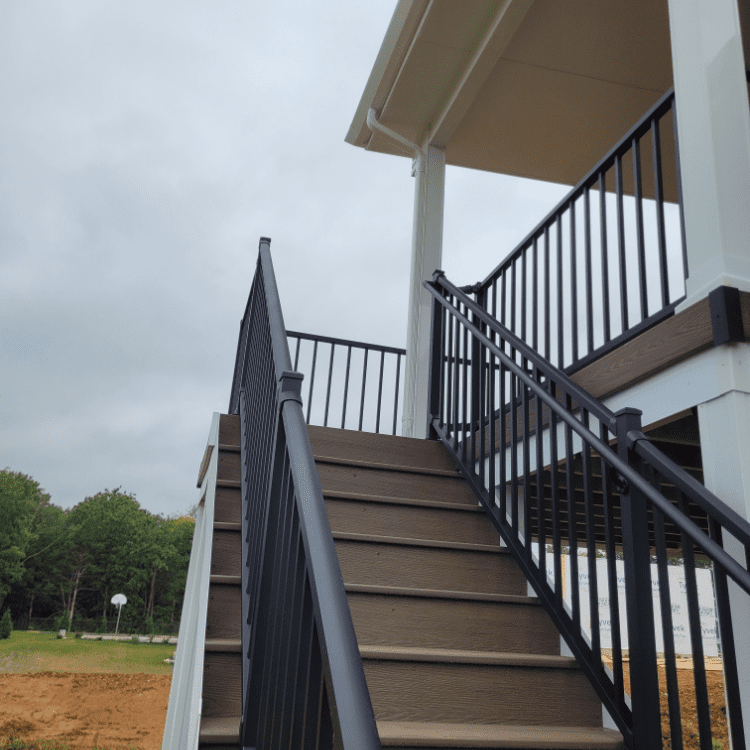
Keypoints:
pixel 427 254
pixel 713 123
pixel 725 448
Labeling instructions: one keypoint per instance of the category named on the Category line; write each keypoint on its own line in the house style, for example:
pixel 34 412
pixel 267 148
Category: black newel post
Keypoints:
pixel 436 360
pixel 644 681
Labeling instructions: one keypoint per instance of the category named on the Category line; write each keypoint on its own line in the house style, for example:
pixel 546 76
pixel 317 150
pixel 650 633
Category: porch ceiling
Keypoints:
pixel 535 88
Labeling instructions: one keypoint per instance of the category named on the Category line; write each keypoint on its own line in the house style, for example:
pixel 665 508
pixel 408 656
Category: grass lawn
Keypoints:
pixel 44 652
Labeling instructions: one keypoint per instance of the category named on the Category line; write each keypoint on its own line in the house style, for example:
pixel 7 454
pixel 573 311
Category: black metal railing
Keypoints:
pixel 560 473
pixel 609 261
pixel 368 372
pixel 302 679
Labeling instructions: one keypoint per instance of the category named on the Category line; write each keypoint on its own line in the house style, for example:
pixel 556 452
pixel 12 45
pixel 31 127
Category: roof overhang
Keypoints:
pixel 534 88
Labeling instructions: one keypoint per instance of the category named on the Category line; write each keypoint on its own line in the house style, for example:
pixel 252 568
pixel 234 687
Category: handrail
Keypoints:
pixel 182 725
pixel 535 292
pixel 537 451
pixel 367 415
pixel 303 680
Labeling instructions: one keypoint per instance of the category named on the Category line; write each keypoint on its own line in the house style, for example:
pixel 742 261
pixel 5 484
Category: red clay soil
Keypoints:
pixel 129 710
pixel 85 710
pixel 688 717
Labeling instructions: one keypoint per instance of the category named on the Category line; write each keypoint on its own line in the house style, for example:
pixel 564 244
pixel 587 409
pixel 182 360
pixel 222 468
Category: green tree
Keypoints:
pixel 46 556
pixel 20 499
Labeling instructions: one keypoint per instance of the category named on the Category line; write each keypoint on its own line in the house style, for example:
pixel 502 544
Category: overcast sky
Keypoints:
pixel 144 148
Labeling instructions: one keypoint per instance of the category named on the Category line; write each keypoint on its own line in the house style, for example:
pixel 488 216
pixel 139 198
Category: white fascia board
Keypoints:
pixel 493 44
pixel 398 39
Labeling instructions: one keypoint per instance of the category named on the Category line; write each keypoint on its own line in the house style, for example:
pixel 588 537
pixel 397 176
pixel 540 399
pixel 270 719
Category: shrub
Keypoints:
pixel 62 621
pixel 6 625
pixel 149 627
pixel 134 639
pixel 103 627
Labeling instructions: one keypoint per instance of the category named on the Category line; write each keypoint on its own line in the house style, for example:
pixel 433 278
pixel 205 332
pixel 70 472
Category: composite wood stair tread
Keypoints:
pixel 463 656
pixel 400 500
pixel 224 644
pixel 418 542
pixel 448 735
pixel 406 469
pixel 364 588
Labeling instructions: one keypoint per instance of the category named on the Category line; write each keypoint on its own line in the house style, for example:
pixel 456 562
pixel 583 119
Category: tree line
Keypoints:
pixel 63 566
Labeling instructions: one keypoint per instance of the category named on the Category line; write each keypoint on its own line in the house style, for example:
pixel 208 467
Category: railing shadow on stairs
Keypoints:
pixel 552 466
pixel 303 683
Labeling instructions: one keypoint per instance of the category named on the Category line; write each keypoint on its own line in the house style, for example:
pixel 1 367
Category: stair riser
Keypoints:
pixel 227 505
pixel 384 449
pixel 226 553
pixel 429 568
pixel 222 684
pixel 229 429
pixel 229 466
pixel 412 522
pixel 449 623
pixel 420 691
pixel 224 612
pixel 394 484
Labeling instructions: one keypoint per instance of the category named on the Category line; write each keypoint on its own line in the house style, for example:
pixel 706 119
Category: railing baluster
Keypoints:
pixel 588 502
pixel 696 638
pixel 328 389
pixel 612 587
pixel 560 326
pixel 346 386
pixel 503 443
pixel 362 397
pixel 573 282
pixel 547 303
pixel 465 394
pixel 524 290
pixel 665 600
pixel 589 280
pixel 535 298
pixel 641 242
pixel 661 234
pixel 605 256
pixel 380 391
pixel 621 245
pixel 572 525
pixel 395 400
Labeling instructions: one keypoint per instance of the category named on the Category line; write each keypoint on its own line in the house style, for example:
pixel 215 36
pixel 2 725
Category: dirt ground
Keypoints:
pixel 688 717
pixel 85 710
pixel 129 710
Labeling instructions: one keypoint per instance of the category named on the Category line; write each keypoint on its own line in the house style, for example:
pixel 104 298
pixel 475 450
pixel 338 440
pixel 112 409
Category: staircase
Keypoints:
pixel 456 654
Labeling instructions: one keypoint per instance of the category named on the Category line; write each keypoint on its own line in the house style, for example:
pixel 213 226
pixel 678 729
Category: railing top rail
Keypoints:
pixel 281 355
pixel 605 163
pixel 712 504
pixel 345 342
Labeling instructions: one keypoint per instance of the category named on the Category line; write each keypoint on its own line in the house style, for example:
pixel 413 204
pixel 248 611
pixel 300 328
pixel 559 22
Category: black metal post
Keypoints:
pixel 436 361
pixel 644 682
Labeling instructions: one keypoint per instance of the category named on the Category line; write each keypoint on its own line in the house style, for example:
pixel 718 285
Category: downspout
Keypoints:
pixel 374 125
